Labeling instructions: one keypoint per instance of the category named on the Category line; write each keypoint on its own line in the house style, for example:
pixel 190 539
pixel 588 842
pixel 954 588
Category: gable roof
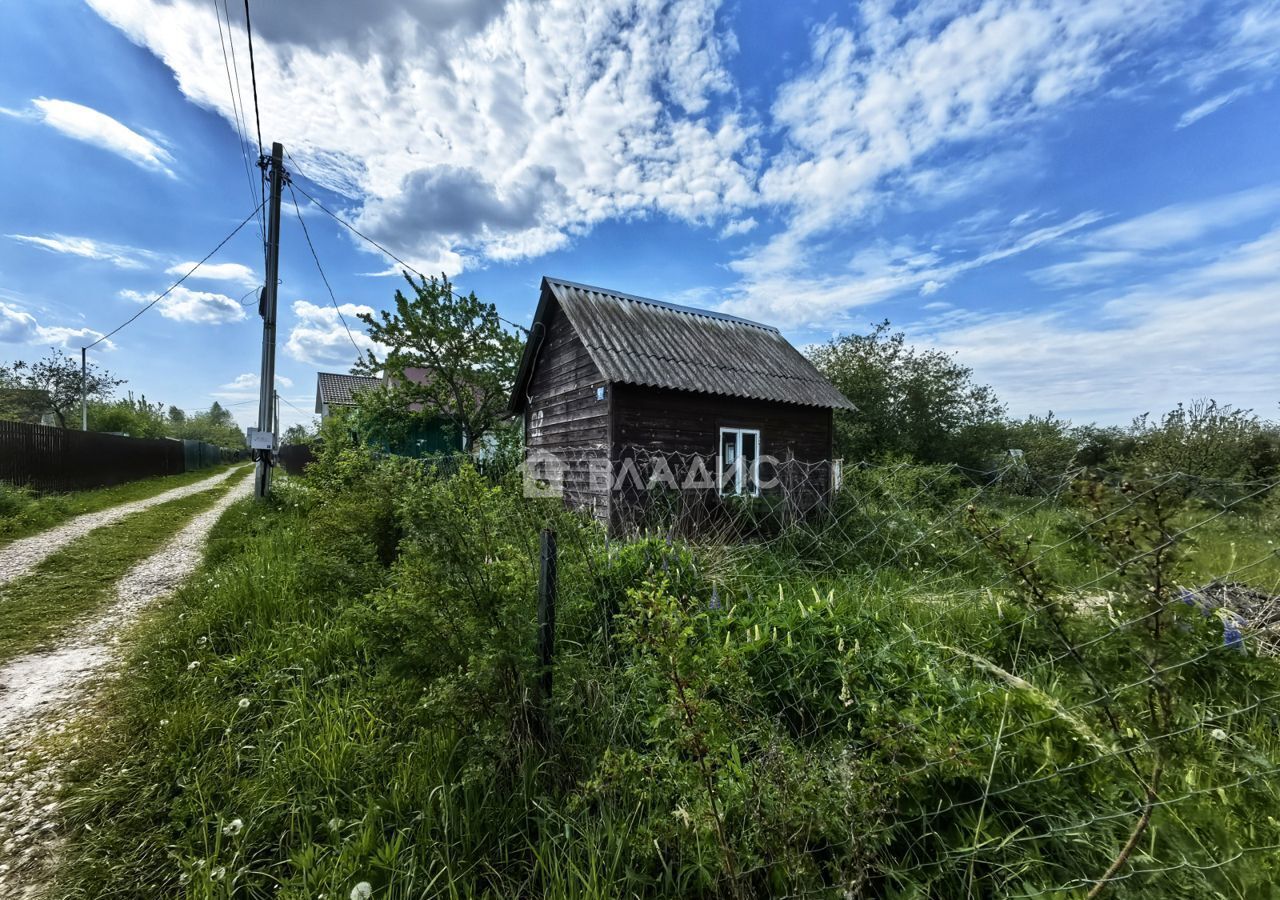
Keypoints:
pixel 635 340
pixel 339 390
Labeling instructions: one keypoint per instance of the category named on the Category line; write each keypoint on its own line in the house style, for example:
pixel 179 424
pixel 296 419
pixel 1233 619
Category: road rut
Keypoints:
pixel 23 555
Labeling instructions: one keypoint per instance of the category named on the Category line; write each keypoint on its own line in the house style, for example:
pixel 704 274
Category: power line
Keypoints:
pixel 289 403
pixel 360 234
pixel 254 194
pixel 332 299
pixel 170 288
pixel 253 73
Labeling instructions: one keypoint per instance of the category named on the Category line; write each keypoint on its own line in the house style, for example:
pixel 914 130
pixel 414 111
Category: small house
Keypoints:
pixel 427 435
pixel 613 387
pixel 335 391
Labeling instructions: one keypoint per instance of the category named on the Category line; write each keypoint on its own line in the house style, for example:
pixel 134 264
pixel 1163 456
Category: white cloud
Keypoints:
pixel 20 327
pixel 319 338
pixel 16 326
pixel 69 338
pixel 245 386
pixel 875 273
pixel 1150 238
pixel 1210 106
pixel 866 122
pixel 1206 329
pixel 1180 223
pixel 97 128
pixel 230 271
pixel 116 254
pixel 738 226
pixel 499 133
pixel 185 305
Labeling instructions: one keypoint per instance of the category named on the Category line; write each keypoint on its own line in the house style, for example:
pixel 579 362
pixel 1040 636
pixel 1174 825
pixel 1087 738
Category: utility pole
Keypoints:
pixel 263 447
pixel 84 392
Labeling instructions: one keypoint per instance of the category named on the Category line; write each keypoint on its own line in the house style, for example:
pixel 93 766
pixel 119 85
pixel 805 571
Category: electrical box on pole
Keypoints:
pixel 263 451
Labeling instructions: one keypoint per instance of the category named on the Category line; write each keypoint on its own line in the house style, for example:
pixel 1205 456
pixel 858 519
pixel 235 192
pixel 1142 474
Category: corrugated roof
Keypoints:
pixel 338 390
pixel 635 340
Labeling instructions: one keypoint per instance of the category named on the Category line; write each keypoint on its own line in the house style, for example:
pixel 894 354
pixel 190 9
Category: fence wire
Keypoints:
pixel 905 680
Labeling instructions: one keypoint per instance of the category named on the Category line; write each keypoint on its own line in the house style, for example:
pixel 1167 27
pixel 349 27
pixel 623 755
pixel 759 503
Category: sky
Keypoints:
pixel 1080 200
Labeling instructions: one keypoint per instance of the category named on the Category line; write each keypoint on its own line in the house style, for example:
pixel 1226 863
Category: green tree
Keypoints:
pixel 1206 440
pixel 298 434
pixel 215 426
pixel 467 359
pixel 134 417
pixel 54 383
pixel 922 403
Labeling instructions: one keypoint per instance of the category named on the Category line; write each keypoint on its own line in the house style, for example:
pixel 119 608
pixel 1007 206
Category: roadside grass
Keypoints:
pixel 81 577
pixel 24 512
pixel 294 724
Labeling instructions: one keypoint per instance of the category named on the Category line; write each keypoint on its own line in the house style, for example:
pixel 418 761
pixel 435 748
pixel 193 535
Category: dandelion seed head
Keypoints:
pixel 362 891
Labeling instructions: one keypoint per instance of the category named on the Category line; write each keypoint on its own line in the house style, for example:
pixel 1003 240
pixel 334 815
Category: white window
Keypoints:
pixel 739 461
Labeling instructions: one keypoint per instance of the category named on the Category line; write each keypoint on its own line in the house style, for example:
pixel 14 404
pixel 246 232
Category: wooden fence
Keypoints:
pixel 57 459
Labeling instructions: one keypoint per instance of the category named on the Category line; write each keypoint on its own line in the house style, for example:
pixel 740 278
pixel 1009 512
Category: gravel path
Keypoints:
pixel 41 695
pixel 23 555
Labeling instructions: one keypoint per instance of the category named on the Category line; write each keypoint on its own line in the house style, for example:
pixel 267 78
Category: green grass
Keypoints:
pixel 79 579
pixel 309 713
pixel 24 512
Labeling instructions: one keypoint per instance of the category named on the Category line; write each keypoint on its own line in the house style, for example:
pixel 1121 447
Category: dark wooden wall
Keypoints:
pixel 686 422
pixel 563 415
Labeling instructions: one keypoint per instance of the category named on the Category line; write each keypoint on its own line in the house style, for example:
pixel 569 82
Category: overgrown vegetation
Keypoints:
pixel 926 405
pixel 966 690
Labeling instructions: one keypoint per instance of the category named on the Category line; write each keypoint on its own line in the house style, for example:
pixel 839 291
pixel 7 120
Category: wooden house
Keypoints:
pixel 427 435
pixel 607 377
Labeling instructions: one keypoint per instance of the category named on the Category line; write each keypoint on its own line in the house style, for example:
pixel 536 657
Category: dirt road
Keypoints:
pixel 41 694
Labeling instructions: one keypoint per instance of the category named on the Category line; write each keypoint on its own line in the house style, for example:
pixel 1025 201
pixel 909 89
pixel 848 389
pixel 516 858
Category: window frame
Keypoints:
pixel 738 468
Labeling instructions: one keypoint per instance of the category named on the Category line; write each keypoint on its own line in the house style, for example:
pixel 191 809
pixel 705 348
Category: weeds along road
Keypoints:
pixel 44 688
pixel 25 554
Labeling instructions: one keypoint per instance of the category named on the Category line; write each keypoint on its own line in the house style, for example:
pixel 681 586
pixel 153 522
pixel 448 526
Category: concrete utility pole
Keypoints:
pixel 84 395
pixel 264 441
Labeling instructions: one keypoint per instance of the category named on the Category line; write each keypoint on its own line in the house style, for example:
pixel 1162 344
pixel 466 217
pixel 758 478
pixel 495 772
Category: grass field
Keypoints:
pixel 24 513
pixel 345 700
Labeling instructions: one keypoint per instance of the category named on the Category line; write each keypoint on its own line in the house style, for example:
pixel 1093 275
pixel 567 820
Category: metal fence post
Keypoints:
pixel 546 627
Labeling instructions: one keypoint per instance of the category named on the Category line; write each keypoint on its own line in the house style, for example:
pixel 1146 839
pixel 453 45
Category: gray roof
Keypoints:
pixel 339 390
pixel 635 340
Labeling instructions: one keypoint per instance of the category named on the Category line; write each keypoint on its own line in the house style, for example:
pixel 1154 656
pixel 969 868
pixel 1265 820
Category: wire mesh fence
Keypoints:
pixel 894 679
pixel 1054 680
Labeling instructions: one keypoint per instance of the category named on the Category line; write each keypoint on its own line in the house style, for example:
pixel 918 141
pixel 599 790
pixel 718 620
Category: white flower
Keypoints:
pixel 244 702
pixel 362 891
pixel 194 664
pixel 164 722
pixel 233 827
pixel 1218 734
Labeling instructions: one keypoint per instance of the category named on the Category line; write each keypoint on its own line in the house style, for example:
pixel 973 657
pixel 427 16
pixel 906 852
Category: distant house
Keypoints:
pixel 335 391
pixel 607 377
pixel 27 405
pixel 429 435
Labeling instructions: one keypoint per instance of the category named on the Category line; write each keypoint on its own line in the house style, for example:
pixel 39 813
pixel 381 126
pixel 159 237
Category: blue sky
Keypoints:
pixel 1080 200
